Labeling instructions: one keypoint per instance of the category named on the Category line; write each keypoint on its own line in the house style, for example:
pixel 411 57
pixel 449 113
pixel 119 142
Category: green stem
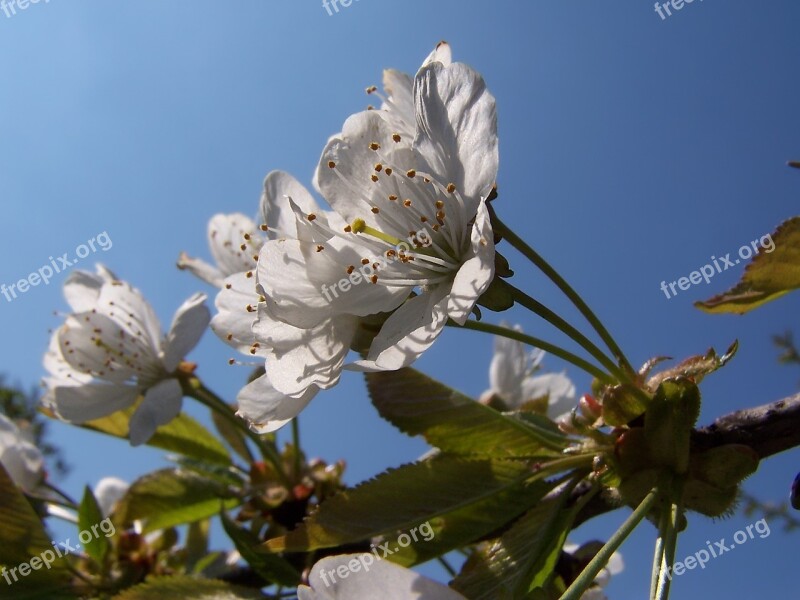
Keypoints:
pixel 567 289
pixel 589 574
pixel 537 343
pixel 548 315
pixel 70 502
pixel 670 544
pixel 194 388
pixel 298 463
pixel 658 555
pixel 447 566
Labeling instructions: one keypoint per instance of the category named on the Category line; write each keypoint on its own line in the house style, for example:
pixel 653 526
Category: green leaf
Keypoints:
pixel 523 558
pixel 23 538
pixel 419 405
pixel 187 588
pixel 461 527
pixel 273 568
pixel 183 435
pixel 172 497
pixel 770 274
pixel 233 435
pixel 90 515
pixel 402 499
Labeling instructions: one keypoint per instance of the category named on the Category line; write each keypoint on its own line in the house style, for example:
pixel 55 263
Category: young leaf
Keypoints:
pixel 90 515
pixel 183 435
pixel 273 568
pixel 187 588
pixel 695 367
pixel 23 537
pixel 455 423
pixel 172 497
pixel 403 498
pixel 770 274
pixel 522 559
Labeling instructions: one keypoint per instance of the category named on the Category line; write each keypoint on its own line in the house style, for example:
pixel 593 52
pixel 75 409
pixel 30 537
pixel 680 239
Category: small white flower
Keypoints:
pixel 512 379
pixel 234 240
pixel 20 458
pixel 366 579
pixel 110 352
pixel 108 492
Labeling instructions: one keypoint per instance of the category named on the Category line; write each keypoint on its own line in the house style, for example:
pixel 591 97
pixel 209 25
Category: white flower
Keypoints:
pixel 110 351
pixel 234 240
pixel 512 379
pixel 20 458
pixel 387 189
pixel 299 362
pixel 366 579
pixel 108 492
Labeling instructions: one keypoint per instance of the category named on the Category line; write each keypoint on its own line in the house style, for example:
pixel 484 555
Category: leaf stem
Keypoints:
pixel 670 543
pixel 588 575
pixel 537 343
pixel 520 245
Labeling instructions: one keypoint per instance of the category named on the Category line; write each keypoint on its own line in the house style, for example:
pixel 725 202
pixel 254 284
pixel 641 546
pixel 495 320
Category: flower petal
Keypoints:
pixel 406 334
pixel 557 387
pixel 188 326
pixel 82 288
pixel 279 186
pixel 161 404
pixel 79 404
pixel 108 492
pixel 508 368
pixel 266 408
pixel 457 128
pixel 475 275
pixel 201 269
pixel 365 575
pixel 226 236
pixel 233 322
pixel 299 358
pixel 305 287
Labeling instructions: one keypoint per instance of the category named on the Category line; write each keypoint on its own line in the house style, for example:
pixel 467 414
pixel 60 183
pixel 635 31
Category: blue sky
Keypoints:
pixel 632 150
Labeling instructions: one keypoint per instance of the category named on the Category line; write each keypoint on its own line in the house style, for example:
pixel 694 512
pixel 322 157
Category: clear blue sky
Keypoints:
pixel 632 149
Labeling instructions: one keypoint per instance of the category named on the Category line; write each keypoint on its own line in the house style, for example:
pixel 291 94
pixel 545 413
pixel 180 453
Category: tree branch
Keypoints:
pixel 767 429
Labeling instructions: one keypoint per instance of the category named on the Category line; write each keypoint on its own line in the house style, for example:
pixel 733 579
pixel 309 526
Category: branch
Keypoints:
pixel 767 429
